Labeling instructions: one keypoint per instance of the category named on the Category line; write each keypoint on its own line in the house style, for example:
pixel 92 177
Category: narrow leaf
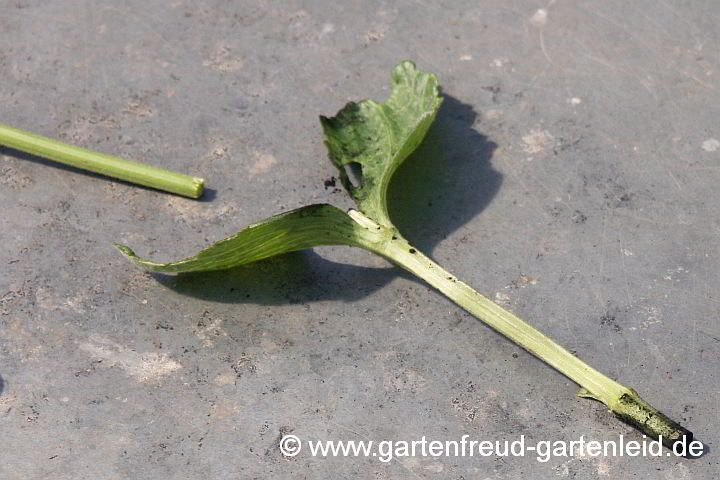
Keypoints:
pixel 380 136
pixel 305 227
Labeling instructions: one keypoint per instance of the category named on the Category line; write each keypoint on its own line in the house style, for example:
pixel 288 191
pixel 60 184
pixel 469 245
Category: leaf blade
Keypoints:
pixel 380 136
pixel 305 227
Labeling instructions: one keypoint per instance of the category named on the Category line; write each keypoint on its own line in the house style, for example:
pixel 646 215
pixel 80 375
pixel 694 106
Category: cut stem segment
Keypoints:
pixel 101 163
pixel 624 402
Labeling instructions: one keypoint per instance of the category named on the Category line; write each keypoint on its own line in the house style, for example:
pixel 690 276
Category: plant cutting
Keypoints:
pixel 377 138
pixel 108 165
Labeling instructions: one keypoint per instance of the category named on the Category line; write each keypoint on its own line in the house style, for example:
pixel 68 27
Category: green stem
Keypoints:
pixel 624 402
pixel 108 165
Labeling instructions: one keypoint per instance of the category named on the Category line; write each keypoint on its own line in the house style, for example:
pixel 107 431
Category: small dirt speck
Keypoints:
pixel 579 217
pixel 608 320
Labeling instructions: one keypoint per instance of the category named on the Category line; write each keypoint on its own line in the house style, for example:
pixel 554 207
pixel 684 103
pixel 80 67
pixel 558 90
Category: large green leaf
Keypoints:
pixel 305 227
pixel 380 136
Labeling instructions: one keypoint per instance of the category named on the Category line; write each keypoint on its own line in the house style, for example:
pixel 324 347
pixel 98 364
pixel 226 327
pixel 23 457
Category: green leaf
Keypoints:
pixel 380 136
pixel 305 227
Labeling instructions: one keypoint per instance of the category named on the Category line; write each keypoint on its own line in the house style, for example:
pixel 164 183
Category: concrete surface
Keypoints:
pixel 572 175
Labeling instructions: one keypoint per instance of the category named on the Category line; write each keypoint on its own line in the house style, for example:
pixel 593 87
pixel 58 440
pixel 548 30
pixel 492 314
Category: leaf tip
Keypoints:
pixel 127 251
pixel 405 66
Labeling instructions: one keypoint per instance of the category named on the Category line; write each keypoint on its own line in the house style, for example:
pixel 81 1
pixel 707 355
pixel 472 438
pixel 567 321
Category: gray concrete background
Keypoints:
pixel 572 176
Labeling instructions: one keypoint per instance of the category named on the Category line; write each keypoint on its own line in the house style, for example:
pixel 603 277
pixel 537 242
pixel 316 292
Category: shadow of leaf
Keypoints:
pixel 296 277
pixel 447 182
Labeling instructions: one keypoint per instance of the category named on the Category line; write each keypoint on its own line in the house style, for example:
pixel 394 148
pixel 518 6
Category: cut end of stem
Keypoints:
pixel 199 187
pixel 635 411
